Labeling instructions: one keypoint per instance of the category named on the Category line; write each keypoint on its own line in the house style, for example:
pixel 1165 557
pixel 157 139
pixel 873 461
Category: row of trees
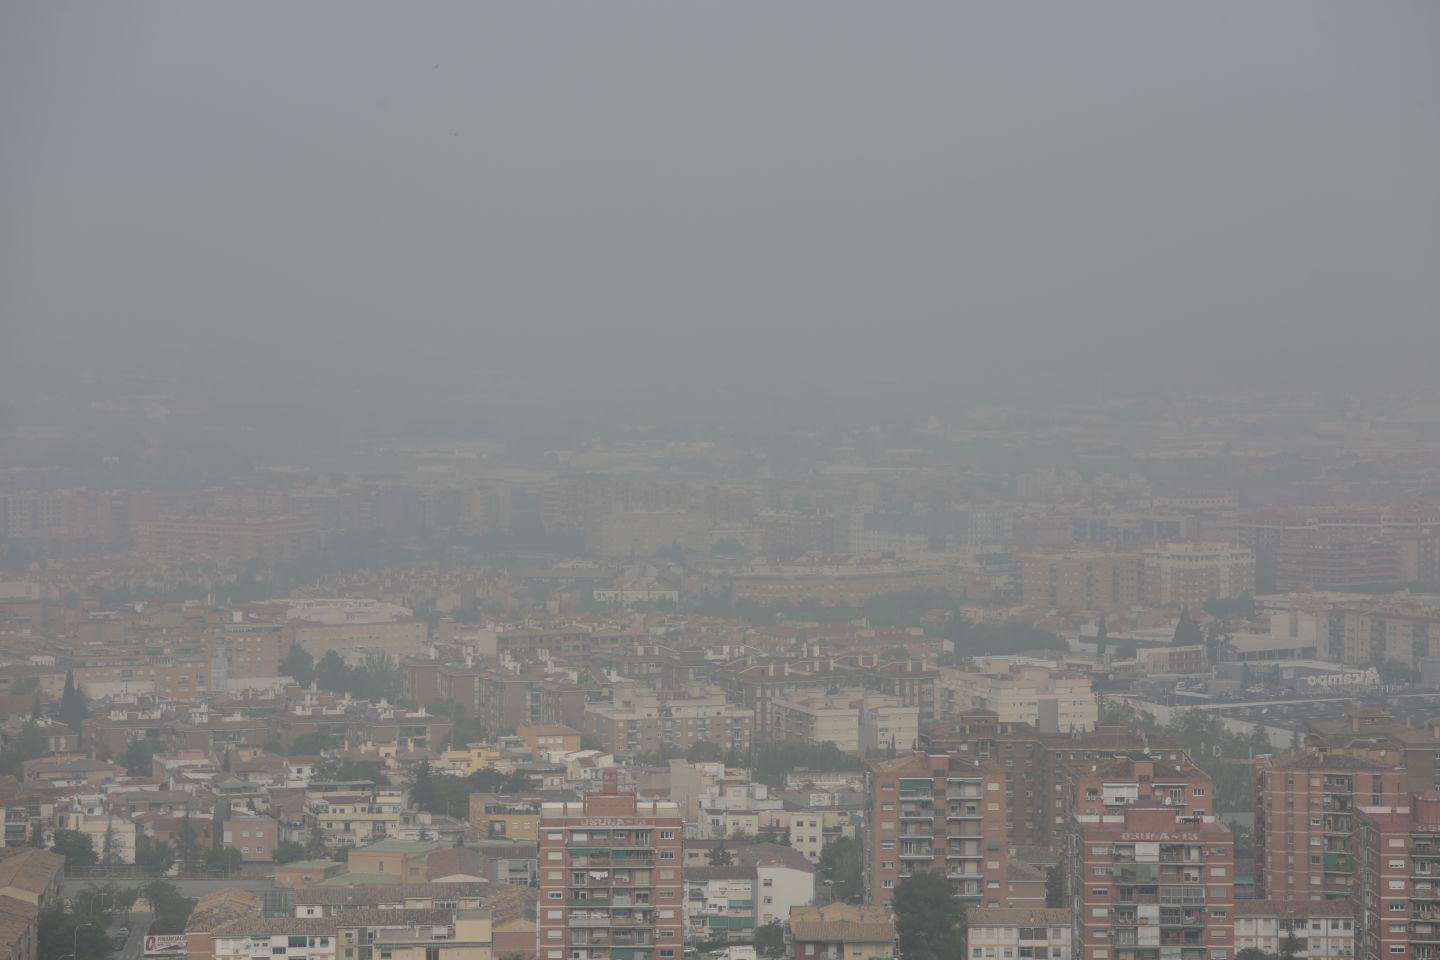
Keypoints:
pixel 83 924
pixel 153 857
pixel 984 639
pixel 377 678
pixel 772 761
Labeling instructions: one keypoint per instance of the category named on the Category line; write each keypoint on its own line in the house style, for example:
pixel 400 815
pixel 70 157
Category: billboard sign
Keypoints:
pixel 165 945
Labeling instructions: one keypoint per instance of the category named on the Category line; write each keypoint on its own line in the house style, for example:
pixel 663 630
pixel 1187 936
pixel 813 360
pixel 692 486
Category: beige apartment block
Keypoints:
pixel 1052 701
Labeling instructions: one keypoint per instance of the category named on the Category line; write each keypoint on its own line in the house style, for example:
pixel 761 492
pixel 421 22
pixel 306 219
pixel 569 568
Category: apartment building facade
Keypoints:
pixel 935 813
pixel 611 879
pixel 1007 933
pixel 1323 929
pixel 1188 574
pixel 642 720
pixel 1305 810
pixel 1080 582
pixel 1397 853
pixel 1153 888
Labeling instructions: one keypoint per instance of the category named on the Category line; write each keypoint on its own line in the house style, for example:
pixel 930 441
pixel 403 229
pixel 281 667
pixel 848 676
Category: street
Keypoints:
pixel 134 946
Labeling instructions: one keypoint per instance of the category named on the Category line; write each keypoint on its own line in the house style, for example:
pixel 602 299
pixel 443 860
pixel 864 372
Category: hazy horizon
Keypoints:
pixel 340 213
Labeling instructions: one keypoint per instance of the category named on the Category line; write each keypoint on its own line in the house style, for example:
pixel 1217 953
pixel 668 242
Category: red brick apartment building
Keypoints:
pixel 1154 887
pixel 942 813
pixel 610 879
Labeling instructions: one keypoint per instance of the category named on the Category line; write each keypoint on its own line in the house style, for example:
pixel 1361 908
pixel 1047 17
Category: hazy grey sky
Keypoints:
pixel 622 207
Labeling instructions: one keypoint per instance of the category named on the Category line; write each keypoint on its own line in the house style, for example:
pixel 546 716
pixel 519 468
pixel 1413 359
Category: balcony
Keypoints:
pixel 966 812
pixel 589 922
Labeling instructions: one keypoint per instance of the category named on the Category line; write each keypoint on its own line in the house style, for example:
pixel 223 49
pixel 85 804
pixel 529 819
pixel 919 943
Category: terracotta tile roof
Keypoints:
pixel 29 869
pixel 255 925
pixel 842 923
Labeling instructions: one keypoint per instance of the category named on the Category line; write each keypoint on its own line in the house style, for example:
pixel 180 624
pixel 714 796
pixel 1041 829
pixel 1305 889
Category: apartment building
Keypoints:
pixel 1305 809
pixel 1052 701
pixel 1397 853
pixel 353 627
pixel 1080 582
pixel 1027 933
pixel 234 542
pixel 1364 632
pixel 1378 736
pixel 1323 929
pixel 842 931
pixel 1038 783
pixel 29 882
pixel 610 878
pixel 938 812
pixel 761 886
pixel 641 720
pixel 288 937
pixel 1188 574
pixel 1102 790
pixel 1152 887
pixel 855 720
pixel 353 813
pixel 1359 564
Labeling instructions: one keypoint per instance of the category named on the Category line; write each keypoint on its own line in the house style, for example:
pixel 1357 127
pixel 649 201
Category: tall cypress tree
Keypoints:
pixel 72 703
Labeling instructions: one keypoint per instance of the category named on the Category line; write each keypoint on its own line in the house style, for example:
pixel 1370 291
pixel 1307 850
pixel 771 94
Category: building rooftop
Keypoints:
pixel 1018 916
pixel 843 923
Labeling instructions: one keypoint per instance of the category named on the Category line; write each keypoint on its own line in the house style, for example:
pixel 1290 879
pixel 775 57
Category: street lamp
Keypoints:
pixel 75 940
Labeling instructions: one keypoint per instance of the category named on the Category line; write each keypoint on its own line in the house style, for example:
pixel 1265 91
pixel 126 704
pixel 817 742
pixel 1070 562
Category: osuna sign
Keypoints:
pixel 166 945
pixel 1351 678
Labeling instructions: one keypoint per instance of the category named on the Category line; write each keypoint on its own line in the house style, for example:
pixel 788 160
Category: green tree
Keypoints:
pixel 843 862
pixel 424 795
pixel 138 758
pixel 187 844
pixel 77 849
pixel 60 928
pixel 335 770
pixel 331 673
pixel 702 751
pixel 315 848
pixel 288 851
pixel 37 833
pixel 770 939
pixel 171 908
pixel 454 794
pixel 153 857
pixel 299 664
pixel 719 856
pixel 929 922
pixel 1290 947
pixel 226 861
pixel 1187 631
pixel 73 708
pixel 107 844
pixel 1252 953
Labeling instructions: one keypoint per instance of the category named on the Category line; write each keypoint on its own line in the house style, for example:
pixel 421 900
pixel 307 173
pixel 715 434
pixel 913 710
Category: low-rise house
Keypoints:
pixel 998 933
pixel 1323 929
pixel 760 886
pixel 468 938
pixel 29 882
pixel 842 931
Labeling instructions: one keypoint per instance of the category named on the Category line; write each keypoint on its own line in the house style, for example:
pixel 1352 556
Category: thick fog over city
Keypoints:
pixel 619 481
